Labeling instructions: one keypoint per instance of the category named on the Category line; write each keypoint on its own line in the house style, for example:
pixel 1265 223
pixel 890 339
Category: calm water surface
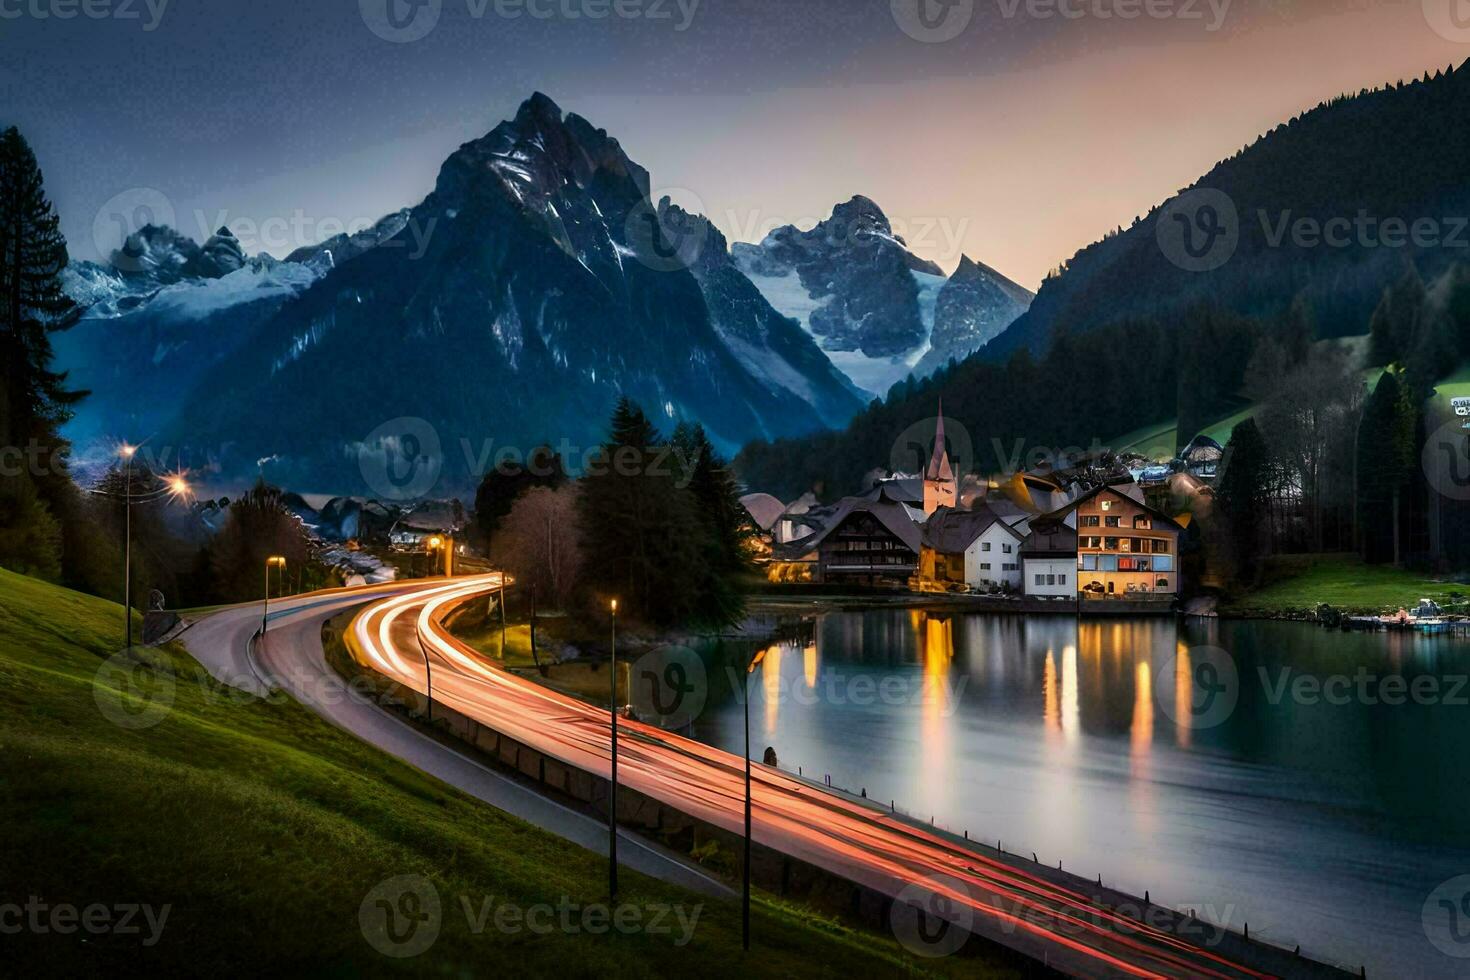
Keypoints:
pixel 1198 761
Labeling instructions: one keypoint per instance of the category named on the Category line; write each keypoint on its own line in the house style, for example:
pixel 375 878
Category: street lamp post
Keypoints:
pixel 755 662
pixel 128 452
pixel 275 561
pixel 612 798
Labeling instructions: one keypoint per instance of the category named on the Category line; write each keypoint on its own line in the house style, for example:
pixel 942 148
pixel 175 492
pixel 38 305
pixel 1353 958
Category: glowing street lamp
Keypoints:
pixel 435 545
pixel 275 561
pixel 173 487
pixel 127 452
pixel 612 798
pixel 750 670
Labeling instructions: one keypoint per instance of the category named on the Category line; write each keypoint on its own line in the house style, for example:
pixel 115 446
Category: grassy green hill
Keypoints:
pixel 1158 441
pixel 264 829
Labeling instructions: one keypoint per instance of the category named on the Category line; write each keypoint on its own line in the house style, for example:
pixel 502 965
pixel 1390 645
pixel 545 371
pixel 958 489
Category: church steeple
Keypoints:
pixel 941 489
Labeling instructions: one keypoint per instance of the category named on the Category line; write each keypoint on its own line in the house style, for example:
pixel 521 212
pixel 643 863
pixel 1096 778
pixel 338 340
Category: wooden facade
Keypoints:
pixel 862 550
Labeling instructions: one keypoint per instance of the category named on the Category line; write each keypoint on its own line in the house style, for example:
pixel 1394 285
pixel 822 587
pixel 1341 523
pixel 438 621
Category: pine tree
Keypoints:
pixel 725 528
pixel 1243 495
pixel 32 303
pixel 34 402
pixel 1386 457
pixel 639 530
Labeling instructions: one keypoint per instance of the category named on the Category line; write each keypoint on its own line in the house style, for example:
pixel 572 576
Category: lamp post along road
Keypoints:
pixel 275 561
pixel 127 454
pixel 612 796
pixel 174 487
pixel 755 663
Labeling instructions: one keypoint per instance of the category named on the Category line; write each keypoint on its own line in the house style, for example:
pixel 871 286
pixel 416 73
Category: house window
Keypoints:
pixel 1061 580
pixel 1111 544
pixel 1007 548
pixel 1011 568
pixel 985 546
pixel 1142 523
pixel 1107 505
pixel 985 566
pixel 1161 547
pixel 1041 580
pixel 1115 522
pixel 1051 580
pixel 1091 520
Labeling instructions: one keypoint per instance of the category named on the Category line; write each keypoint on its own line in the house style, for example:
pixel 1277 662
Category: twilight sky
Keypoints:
pixel 1016 131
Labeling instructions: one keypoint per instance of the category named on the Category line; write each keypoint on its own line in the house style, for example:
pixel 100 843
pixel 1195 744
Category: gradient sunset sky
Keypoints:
pixel 1019 139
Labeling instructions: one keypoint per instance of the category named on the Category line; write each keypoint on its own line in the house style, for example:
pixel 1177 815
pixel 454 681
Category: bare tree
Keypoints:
pixel 538 542
pixel 1309 418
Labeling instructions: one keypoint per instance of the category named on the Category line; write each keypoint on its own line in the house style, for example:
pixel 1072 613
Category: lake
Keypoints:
pixel 1311 783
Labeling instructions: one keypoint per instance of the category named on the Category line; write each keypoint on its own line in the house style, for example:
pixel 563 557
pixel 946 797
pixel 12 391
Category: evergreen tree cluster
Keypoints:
pixel 661 526
pixel 43 528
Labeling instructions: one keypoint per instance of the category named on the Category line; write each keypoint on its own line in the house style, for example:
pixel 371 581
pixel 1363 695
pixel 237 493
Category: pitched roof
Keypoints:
pixel 1050 538
pixel 951 531
pixel 763 508
pixel 894 517
pixel 1153 512
pixel 900 491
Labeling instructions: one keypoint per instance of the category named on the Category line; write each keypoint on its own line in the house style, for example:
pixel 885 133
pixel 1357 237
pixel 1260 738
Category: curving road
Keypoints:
pixel 292 659
pixel 1052 917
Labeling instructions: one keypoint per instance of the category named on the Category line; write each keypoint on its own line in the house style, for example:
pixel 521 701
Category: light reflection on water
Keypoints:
pixel 1321 824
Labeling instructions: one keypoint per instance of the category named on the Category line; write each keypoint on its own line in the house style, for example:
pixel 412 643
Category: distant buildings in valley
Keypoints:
pixel 1094 531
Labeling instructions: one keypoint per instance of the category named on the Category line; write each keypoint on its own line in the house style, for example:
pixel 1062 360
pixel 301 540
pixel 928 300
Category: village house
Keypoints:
pixel 1125 548
pixel 1049 558
pixel 871 544
pixel 973 548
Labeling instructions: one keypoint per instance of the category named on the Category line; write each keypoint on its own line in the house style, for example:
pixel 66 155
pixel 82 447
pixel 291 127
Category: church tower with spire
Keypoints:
pixel 941 488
